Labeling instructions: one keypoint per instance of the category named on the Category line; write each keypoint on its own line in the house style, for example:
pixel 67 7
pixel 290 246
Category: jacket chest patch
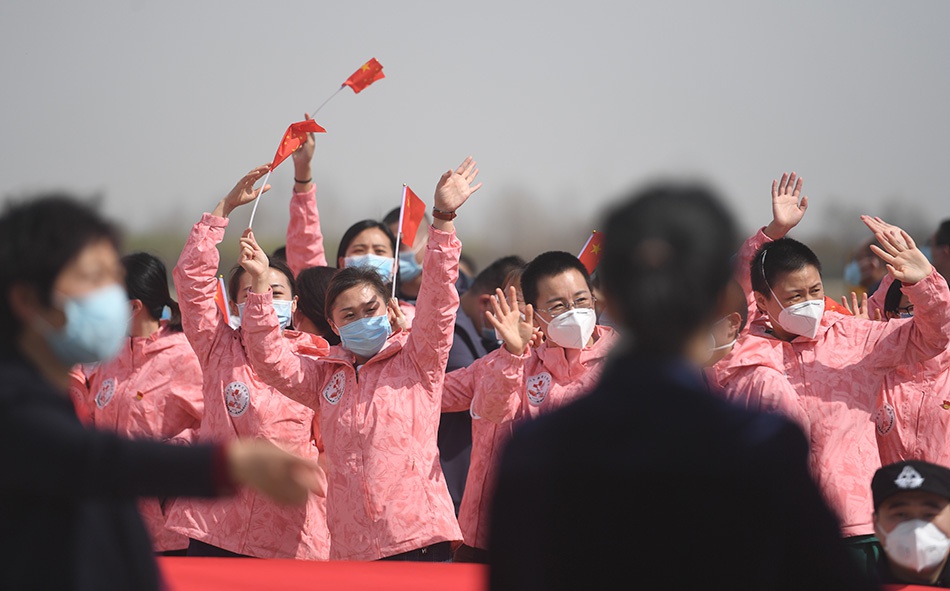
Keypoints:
pixel 237 397
pixel 884 419
pixel 105 393
pixel 333 391
pixel 538 387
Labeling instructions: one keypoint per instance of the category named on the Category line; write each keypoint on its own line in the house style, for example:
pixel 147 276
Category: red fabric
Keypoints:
pixel 413 210
pixel 590 256
pixel 368 73
pixel 834 306
pixel 294 137
pixel 221 298
pixel 240 574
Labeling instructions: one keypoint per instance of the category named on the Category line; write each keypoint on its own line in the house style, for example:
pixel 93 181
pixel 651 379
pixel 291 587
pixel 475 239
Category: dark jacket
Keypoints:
pixel 68 517
pixel 652 480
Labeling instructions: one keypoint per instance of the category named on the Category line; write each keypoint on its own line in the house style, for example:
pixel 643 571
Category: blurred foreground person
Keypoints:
pixel 649 457
pixel 68 494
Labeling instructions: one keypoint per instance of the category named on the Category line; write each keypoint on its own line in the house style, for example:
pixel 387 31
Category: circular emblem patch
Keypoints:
pixel 334 390
pixel 538 387
pixel 105 393
pixel 884 419
pixel 237 398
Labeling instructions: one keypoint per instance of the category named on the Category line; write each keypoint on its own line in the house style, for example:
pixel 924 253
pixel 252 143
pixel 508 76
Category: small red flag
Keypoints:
pixel 368 73
pixel 834 306
pixel 590 254
pixel 221 298
pixel 294 137
pixel 413 210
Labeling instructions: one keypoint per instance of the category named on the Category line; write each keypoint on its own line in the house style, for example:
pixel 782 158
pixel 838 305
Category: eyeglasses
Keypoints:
pixel 583 302
pixel 908 309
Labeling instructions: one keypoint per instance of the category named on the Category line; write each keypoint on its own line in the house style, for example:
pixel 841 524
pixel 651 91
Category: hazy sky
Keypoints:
pixel 162 106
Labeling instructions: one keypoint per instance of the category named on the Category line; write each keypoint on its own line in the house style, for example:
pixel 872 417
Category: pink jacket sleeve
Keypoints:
pixel 296 376
pixel 897 342
pixel 79 394
pixel 743 272
pixel 304 236
pixel 195 284
pixel 184 404
pixel 499 385
pixel 765 389
pixel 876 301
pixel 458 389
pixel 433 326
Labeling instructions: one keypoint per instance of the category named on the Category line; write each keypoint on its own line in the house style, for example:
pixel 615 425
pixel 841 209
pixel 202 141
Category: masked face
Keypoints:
pixel 797 303
pixel 361 318
pixel 409 265
pixel 96 326
pixel 283 308
pixel 917 545
pixel 365 337
pixel 382 265
pixel 572 329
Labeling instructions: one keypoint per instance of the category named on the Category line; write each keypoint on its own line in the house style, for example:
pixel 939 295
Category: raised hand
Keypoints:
pixel 303 156
pixel 879 226
pixel 282 476
pixel 506 319
pixel 243 192
pixel 400 322
pixel 455 187
pixel 788 205
pixel 899 251
pixel 253 259
pixel 859 307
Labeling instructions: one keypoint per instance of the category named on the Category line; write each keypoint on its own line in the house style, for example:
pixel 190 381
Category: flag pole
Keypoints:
pixel 250 224
pixel 402 211
pixel 314 114
pixel 586 244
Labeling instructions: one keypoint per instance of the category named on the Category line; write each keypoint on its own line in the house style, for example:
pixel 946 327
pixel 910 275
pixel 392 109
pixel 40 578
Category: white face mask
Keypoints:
pixel 711 350
pixel 916 544
pixel 572 329
pixel 802 318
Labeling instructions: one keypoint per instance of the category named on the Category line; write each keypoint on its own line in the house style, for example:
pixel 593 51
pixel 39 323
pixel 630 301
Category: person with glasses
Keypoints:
pixel 519 381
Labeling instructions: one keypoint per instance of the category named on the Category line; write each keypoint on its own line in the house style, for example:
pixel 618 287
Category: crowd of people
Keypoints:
pixel 391 406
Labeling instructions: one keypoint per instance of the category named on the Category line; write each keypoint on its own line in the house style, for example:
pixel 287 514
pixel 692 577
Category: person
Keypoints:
pixel 649 454
pixel 871 269
pixel 238 404
pixel 940 248
pixel 377 394
pixel 68 493
pixel 409 269
pixel 310 315
pixel 368 244
pixel 152 388
pixel 474 338
pixel 912 519
pixel 834 362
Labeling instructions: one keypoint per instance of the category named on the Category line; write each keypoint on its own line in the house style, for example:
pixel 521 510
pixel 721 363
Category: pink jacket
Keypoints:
pixel 239 404
pixel 387 494
pixel 838 376
pixel 912 412
pixel 495 384
pixel 304 236
pixel 152 389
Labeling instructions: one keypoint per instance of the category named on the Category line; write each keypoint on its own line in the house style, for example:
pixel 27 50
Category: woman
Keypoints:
pixel 152 388
pixel 68 494
pixel 238 404
pixel 377 394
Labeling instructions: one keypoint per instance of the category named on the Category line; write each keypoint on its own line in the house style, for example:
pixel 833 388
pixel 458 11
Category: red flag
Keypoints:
pixel 221 298
pixel 834 306
pixel 294 137
pixel 590 254
pixel 410 216
pixel 368 73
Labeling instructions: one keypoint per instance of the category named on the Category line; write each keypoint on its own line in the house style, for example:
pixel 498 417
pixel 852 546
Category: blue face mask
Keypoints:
pixel 96 325
pixel 366 336
pixel 409 267
pixel 382 265
pixel 282 307
pixel 852 273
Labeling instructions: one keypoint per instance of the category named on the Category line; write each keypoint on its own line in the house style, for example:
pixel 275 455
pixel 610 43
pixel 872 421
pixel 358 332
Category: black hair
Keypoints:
pixel 354 230
pixel 665 264
pixel 312 284
pixel 39 237
pixel 892 299
pixel 549 264
pixel 234 279
pixel 279 253
pixel 351 277
pixel 147 280
pixel 942 235
pixel 493 276
pixel 782 256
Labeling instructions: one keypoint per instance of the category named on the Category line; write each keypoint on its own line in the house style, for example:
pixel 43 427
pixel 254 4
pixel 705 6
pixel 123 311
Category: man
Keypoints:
pixel 912 520
pixel 623 486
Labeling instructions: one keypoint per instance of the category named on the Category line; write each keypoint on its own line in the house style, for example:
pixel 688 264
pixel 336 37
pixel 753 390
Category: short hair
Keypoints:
pixel 312 284
pixel 782 256
pixel 549 264
pixel 493 276
pixel 942 235
pixel 39 237
pixel 353 231
pixel 666 260
pixel 146 280
pixel 349 278
pixel 892 299
pixel 234 280
pixel 279 253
